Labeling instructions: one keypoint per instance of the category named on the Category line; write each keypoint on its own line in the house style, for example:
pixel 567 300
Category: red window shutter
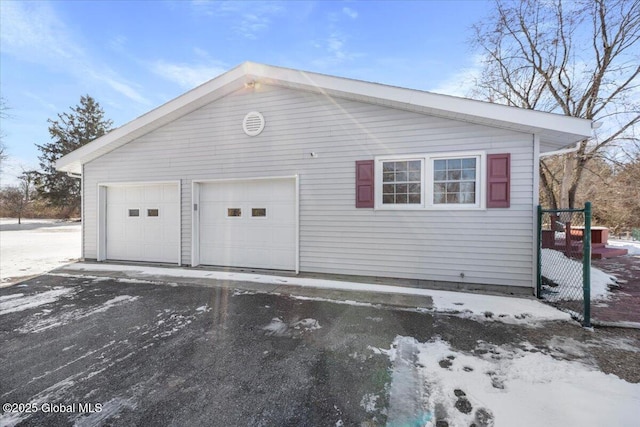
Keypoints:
pixel 364 184
pixel 498 177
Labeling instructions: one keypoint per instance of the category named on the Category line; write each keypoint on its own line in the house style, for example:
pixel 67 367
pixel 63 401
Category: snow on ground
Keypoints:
pixel 35 247
pixel 477 306
pixel 19 302
pixel 45 320
pixel 567 274
pixel 633 247
pixel 503 386
pixel 279 328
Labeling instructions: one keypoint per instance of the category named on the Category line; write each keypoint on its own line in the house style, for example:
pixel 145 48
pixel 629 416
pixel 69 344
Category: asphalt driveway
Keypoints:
pixel 97 351
pixel 161 355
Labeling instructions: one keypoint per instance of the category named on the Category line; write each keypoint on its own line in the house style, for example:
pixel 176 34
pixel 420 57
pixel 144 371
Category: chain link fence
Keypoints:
pixel 564 260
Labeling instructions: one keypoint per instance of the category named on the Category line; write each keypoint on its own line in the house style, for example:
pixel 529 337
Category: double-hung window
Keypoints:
pixel 402 182
pixel 430 181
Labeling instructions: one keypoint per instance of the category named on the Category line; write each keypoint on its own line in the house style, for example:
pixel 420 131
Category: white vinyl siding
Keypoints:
pixel 492 246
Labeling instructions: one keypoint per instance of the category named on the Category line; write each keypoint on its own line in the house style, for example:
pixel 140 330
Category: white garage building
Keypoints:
pixel 272 168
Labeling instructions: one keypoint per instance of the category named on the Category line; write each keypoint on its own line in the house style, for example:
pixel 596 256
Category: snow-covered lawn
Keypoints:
pixel 632 246
pixel 566 273
pixel 35 247
pixel 507 385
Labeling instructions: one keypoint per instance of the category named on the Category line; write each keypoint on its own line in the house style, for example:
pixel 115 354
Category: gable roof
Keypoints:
pixel 555 131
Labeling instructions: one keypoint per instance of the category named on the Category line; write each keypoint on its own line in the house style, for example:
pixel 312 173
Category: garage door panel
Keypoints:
pixel 153 235
pixel 250 240
pixel 133 194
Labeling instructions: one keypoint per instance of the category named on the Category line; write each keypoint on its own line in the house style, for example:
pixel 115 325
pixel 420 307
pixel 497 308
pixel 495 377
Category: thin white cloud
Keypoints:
pixel 250 18
pixel 117 44
pixel 185 75
pixel 462 82
pixel 43 102
pixel 335 50
pixel 350 12
pixel 32 31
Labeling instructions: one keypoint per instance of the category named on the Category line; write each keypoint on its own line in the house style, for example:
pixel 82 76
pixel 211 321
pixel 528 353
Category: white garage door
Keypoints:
pixel 248 224
pixel 143 223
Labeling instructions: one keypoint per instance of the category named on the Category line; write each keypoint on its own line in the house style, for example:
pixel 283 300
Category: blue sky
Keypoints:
pixel 133 56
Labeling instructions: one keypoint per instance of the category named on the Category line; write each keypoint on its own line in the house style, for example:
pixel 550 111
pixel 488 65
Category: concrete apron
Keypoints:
pixel 366 297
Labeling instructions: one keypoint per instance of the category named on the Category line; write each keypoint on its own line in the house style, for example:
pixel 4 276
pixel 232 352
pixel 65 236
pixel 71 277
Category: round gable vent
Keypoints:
pixel 253 123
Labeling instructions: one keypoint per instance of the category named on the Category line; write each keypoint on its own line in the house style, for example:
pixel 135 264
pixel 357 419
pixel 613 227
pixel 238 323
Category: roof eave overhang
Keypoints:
pixel 555 131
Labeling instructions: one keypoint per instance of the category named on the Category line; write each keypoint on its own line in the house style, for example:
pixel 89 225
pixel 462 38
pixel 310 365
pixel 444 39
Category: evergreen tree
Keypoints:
pixel 69 132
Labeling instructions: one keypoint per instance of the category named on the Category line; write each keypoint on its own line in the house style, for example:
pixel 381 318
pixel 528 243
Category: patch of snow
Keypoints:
pixel 508 386
pixel 112 302
pixel 631 246
pixel 567 274
pixel 35 300
pixel 377 350
pixel 35 247
pixel 42 321
pixel 279 328
pixel 276 328
pixel 369 402
pixel 110 409
pixel 307 324
pixel 6 297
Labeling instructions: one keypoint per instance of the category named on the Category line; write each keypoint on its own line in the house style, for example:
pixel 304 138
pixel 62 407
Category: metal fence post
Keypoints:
pixel 586 265
pixel 539 255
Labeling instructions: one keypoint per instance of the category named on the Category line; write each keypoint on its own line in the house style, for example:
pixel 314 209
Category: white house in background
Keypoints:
pixel 272 168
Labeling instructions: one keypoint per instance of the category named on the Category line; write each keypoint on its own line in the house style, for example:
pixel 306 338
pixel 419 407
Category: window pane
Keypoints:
pixel 468 197
pixel 414 188
pixel 455 183
pixel 468 187
pixel 440 175
pixel 414 176
pixel 454 164
pixel 401 166
pixel 234 212
pixel 134 212
pixel 468 163
pixel 453 175
pixel 405 179
pixel 258 212
pixel 152 212
pixel 469 174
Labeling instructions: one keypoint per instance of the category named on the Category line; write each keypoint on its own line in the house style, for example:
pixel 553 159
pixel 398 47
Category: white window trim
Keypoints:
pixel 427 181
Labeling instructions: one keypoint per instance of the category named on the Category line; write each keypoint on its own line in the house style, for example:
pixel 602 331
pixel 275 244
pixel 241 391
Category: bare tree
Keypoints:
pixel 578 58
pixel 16 199
pixel 3 116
